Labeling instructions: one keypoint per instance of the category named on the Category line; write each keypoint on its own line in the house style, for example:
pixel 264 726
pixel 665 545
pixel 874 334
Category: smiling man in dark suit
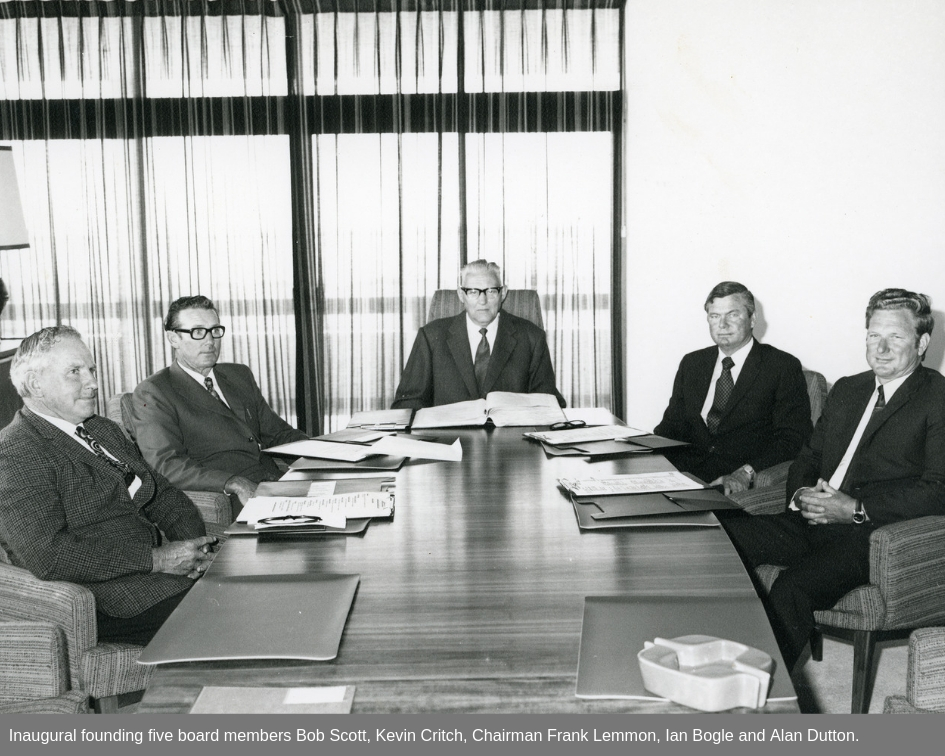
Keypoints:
pixel 741 405
pixel 202 423
pixel 877 456
pixel 78 503
pixel 481 350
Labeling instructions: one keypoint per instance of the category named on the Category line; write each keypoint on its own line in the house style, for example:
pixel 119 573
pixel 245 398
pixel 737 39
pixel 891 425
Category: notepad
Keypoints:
pixel 632 483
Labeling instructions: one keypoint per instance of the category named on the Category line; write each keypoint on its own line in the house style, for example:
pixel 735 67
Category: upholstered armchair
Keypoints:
pixel 83 666
pixel 906 588
pixel 925 675
pixel 34 674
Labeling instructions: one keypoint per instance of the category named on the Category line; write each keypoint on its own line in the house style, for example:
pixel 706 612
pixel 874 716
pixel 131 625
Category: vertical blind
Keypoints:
pixel 319 170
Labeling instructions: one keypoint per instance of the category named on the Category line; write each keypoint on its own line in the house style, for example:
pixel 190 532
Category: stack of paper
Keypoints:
pixel 395 419
pixel 329 511
pixel 449 450
pixel 504 408
pixel 632 483
pixel 345 452
pixel 584 435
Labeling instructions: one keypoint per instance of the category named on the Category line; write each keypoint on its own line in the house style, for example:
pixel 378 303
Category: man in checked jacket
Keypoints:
pixel 78 503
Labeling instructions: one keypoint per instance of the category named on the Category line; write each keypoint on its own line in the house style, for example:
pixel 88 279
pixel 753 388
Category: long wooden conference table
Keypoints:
pixel 471 598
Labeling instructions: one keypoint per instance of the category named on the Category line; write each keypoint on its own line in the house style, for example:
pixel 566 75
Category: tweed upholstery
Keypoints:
pixel 32 661
pixel 925 675
pixel 71 702
pixel 761 501
pixel 100 670
pixel 214 507
pixel 524 303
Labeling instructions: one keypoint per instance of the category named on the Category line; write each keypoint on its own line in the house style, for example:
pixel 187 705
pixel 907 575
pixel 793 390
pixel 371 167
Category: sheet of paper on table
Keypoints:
pixel 584 435
pixel 218 699
pixel 332 509
pixel 631 483
pixel 405 446
pixel 324 450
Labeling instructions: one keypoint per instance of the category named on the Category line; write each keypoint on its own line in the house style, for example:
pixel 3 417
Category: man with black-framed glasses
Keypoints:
pixel 202 423
pixel 480 350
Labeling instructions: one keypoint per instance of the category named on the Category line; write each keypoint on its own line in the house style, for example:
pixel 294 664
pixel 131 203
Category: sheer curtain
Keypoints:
pixel 135 195
pixel 497 142
pixel 319 169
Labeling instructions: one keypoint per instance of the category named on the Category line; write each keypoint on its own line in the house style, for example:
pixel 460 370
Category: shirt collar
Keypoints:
pixel 740 355
pixel 472 328
pixel 891 387
pixel 64 425
pixel 197 376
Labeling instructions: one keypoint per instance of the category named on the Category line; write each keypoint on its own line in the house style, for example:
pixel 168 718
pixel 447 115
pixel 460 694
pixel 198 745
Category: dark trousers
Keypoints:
pixel 139 629
pixel 823 563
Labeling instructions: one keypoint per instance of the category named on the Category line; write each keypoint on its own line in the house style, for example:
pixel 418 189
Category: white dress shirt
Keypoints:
pixel 472 330
pixel 738 358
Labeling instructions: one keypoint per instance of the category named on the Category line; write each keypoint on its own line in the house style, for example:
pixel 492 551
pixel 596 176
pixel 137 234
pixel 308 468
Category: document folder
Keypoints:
pixel 256 617
pixel 615 628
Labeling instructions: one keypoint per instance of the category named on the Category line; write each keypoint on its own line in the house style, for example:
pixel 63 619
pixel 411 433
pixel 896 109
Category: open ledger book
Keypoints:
pixel 504 408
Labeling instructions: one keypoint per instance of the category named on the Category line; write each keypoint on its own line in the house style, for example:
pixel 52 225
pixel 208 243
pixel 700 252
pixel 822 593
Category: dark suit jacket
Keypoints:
pixel 440 368
pixel 196 441
pixel 898 470
pixel 65 514
pixel 766 421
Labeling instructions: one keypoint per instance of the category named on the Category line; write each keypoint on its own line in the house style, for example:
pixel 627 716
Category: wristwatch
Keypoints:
pixel 751 474
pixel 859 514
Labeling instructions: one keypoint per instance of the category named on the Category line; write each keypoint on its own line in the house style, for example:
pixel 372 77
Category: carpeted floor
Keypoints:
pixel 825 687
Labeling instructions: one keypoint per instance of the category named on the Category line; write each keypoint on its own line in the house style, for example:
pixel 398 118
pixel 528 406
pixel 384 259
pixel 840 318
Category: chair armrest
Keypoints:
pixel 33 661
pixel 214 507
pixel 776 475
pixel 761 501
pixel 925 677
pixel 72 702
pixel 908 568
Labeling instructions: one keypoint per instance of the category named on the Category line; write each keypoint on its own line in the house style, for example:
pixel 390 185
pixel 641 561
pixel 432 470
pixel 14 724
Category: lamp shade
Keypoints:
pixel 12 223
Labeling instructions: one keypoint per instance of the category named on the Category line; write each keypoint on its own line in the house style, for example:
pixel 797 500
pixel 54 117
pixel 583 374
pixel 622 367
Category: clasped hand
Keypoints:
pixel 825 505
pixel 191 557
pixel 737 481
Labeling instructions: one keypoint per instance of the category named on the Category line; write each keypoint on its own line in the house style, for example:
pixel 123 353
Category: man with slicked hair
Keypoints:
pixel 877 456
pixel 741 405
pixel 202 423
pixel 480 350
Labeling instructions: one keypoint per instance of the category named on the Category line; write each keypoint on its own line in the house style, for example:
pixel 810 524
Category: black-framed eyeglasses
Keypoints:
pixel 491 293
pixel 200 333
pixel 568 425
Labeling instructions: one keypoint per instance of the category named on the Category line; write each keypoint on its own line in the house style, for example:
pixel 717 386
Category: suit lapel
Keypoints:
pixel 196 395
pixel 231 391
pixel 505 342
pixel 898 401
pixel 859 396
pixel 458 342
pixel 701 386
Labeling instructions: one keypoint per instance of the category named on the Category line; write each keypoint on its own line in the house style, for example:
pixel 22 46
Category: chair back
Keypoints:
pixel 523 303
pixel 118 410
pixel 817 390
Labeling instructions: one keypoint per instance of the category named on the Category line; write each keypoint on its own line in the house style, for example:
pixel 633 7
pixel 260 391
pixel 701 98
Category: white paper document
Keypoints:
pixel 324 450
pixel 333 510
pixel 584 435
pixel 632 483
pixel 502 407
pixel 404 446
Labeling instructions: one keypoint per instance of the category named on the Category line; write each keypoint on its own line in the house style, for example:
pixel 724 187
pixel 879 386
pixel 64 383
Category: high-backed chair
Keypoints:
pixel 215 508
pixel 523 303
pixel 34 674
pixel 906 588
pixel 925 675
pixel 817 391
pixel 103 671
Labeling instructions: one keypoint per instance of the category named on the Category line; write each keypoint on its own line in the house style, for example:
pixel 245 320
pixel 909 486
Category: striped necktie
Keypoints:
pixel 483 353
pixel 208 383
pixel 724 387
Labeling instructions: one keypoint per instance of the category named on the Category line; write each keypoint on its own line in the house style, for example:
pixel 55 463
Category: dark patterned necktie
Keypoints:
pixel 723 392
pixel 208 382
pixel 96 447
pixel 482 359
pixel 880 400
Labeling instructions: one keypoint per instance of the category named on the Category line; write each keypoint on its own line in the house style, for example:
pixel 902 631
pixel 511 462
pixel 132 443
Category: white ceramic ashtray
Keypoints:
pixel 706 673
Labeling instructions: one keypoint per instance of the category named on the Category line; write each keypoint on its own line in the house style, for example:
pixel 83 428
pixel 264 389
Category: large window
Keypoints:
pixel 318 174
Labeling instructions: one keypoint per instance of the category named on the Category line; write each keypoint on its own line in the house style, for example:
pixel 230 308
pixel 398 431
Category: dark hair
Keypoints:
pixel 901 299
pixel 196 302
pixel 728 289
pixel 33 349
